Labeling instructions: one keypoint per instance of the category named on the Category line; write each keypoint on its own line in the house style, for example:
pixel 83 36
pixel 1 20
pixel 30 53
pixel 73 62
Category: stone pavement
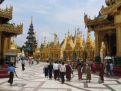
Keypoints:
pixel 32 79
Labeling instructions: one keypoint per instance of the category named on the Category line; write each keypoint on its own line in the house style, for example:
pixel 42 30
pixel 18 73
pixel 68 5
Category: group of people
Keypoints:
pixel 84 68
pixel 58 70
pixel 12 66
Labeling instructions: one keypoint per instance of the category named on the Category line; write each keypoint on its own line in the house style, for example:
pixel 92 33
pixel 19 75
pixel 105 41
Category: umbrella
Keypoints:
pixel 107 57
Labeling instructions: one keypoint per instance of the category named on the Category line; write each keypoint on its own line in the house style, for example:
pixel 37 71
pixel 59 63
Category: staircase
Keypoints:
pixel 4 71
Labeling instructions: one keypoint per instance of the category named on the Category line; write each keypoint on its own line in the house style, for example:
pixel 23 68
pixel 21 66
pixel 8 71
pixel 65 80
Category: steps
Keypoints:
pixel 117 71
pixel 4 71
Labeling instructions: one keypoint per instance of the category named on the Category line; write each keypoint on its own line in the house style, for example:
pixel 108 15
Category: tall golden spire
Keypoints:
pixel 55 38
pixel 44 41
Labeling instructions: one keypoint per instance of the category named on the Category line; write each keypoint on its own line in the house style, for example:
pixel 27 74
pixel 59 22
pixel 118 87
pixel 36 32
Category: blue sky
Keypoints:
pixel 52 16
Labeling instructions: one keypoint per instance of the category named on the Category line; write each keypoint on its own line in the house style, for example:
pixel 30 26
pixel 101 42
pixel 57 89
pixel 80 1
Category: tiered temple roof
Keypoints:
pixel 105 17
pixel 6 13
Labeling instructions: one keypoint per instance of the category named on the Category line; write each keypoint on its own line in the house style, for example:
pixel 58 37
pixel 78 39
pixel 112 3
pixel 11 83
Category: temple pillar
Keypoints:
pixel 0 47
pixel 7 43
pixel 118 34
pixel 96 44
pixel 118 38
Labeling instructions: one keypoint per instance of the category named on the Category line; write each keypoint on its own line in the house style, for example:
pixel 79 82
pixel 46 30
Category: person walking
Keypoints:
pixel 108 69
pixel 68 71
pixel 30 61
pixel 88 73
pixel 56 70
pixel 45 69
pixel 79 71
pixel 11 71
pixel 111 69
pixel 59 64
pixel 62 72
pixel 50 70
pixel 23 63
pixel 84 68
pixel 101 73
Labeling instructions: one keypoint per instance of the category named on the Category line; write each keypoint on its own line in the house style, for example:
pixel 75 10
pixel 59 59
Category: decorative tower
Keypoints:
pixel 31 42
pixel 78 49
pixel 89 48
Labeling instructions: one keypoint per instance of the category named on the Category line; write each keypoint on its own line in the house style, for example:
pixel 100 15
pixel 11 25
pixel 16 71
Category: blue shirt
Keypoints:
pixel 11 69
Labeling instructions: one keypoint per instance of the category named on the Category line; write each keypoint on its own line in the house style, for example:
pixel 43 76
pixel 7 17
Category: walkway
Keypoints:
pixel 32 79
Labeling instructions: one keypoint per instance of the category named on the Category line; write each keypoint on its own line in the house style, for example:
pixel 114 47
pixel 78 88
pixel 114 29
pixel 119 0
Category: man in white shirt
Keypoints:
pixel 56 70
pixel 62 72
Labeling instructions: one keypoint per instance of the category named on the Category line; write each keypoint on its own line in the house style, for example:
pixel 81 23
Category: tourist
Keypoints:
pixel 68 71
pixel 111 69
pixel 79 71
pixel 88 72
pixel 56 70
pixel 62 72
pixel 30 61
pixel 93 67
pixel 101 73
pixel 11 71
pixel 50 70
pixel 108 69
pixel 84 68
pixel 23 63
pixel 46 69
pixel 59 64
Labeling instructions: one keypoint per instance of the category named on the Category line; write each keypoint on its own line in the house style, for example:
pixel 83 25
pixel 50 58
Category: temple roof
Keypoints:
pixel 11 28
pixel 105 16
pixel 109 10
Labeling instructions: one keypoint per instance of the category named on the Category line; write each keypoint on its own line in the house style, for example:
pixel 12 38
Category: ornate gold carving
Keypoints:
pixel 111 9
pixel 11 28
pixel 6 13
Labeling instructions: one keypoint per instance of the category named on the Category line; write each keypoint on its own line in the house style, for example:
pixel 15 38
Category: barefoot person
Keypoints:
pixel 50 70
pixel 62 72
pixel 11 71
pixel 68 71
pixel 88 73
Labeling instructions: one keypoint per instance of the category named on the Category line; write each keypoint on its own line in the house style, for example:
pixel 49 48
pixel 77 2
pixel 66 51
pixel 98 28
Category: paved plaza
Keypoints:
pixel 32 79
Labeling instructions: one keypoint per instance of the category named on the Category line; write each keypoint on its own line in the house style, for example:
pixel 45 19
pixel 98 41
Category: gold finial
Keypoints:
pixel 55 38
pixel 75 31
pixel 68 33
pixel 44 41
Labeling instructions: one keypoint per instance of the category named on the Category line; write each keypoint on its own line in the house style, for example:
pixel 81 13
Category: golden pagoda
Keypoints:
pixel 55 49
pixel 44 51
pixel 7 30
pixel 79 46
pixel 107 28
pixel 68 47
pixel 37 54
